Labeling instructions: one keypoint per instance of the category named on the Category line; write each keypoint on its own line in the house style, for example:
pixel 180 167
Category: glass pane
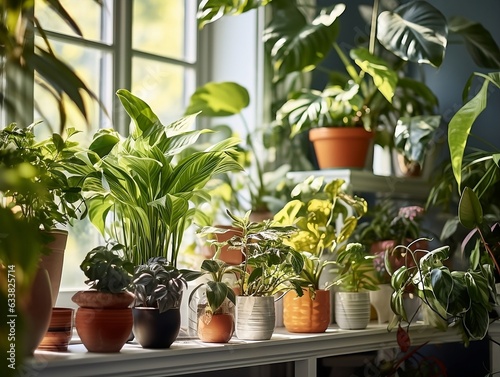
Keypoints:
pixel 159 27
pixel 86 14
pixel 88 64
pixel 162 86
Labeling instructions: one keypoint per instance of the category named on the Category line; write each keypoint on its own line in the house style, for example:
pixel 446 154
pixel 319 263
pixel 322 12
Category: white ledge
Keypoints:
pixel 193 356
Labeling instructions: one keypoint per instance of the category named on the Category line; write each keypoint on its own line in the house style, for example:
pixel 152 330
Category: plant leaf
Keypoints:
pixel 415 31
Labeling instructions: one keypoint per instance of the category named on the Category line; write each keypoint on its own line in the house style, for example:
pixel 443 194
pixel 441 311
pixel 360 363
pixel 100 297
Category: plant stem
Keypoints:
pixel 373 26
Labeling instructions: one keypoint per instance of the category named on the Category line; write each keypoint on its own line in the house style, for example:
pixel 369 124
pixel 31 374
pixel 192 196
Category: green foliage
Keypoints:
pixel 158 285
pixel 270 266
pixel 24 54
pixel 355 269
pixel 217 291
pixel 142 189
pixel 460 299
pixel 258 187
pixel 107 270
pixel 54 196
pixel 325 217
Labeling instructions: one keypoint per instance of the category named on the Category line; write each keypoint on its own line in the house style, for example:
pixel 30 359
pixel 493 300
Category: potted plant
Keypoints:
pixel 158 293
pixel 415 31
pixel 325 216
pixel 215 307
pixel 269 267
pixel 54 200
pixel 104 317
pixel 142 189
pixel 414 138
pixel 355 279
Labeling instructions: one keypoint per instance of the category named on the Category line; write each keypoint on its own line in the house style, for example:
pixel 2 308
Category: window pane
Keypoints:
pixel 90 65
pixel 162 86
pixel 159 27
pixel 86 14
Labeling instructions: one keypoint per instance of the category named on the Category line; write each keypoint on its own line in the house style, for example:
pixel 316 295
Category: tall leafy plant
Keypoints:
pixel 141 188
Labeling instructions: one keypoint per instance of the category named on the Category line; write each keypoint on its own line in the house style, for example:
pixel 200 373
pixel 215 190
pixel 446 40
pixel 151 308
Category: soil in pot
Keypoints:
pixel 153 329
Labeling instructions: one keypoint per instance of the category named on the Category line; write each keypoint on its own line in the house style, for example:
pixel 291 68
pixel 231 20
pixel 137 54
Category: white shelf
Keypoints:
pixel 193 356
pixel 364 181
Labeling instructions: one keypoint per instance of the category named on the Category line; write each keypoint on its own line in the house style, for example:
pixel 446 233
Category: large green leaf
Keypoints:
pixel 470 211
pixel 296 45
pixel 218 99
pixel 479 42
pixel 138 110
pixel 415 31
pixel 384 78
pixel 461 123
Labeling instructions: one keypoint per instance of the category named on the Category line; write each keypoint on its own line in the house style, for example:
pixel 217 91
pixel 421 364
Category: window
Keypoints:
pixel 146 46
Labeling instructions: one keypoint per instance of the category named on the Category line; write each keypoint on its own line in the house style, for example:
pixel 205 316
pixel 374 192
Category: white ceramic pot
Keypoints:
pixel 352 310
pixel 255 317
pixel 381 301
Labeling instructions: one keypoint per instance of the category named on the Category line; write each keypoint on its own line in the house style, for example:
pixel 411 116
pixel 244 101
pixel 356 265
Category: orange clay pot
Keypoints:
pixel 341 147
pixel 305 315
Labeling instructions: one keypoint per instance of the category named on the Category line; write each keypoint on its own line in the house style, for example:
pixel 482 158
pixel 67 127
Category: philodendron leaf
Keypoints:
pixel 476 322
pixel 479 42
pixel 294 44
pixel 470 212
pixel 218 99
pixel 384 78
pixel 442 285
pixel 415 31
pixel 461 123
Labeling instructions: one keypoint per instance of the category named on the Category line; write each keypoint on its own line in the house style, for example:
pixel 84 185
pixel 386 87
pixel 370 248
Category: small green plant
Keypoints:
pixel 355 269
pixel 54 198
pixel 315 210
pixel 158 285
pixel 270 266
pixel 217 291
pixel 107 270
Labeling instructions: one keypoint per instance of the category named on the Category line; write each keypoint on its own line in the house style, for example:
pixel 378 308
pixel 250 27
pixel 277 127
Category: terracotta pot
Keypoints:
pixel 230 256
pixel 60 330
pixel 53 262
pixel 306 315
pixel 103 330
pixel 341 147
pixel 216 328
pixel 37 310
pixel 153 329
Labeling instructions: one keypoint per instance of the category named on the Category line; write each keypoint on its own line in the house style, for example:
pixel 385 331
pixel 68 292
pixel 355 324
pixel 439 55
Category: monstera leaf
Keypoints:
pixel 416 31
pixel 297 45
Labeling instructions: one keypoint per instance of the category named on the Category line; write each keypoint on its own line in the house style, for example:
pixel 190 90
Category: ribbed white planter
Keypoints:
pixel 255 317
pixel 352 310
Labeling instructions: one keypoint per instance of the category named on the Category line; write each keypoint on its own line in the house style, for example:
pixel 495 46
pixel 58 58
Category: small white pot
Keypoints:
pixel 381 301
pixel 352 310
pixel 255 317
